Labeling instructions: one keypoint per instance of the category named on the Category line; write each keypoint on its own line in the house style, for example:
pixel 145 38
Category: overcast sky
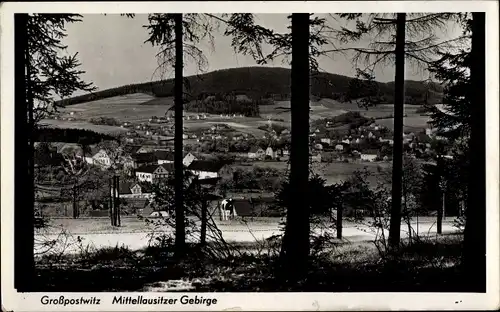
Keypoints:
pixel 113 53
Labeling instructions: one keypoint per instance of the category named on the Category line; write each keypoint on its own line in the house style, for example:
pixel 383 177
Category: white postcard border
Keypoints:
pixel 255 301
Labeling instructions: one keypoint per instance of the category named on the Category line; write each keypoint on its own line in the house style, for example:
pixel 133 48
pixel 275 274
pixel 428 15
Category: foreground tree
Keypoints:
pixel 177 35
pixel 410 38
pixel 295 248
pixel 474 259
pixel 42 74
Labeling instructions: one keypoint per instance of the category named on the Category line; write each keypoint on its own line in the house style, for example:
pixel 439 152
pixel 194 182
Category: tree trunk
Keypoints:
pixel 24 214
pixel 397 159
pixel 75 208
pixel 295 247
pixel 439 221
pixel 110 202
pixel 474 256
pixel 340 209
pixel 180 231
pixel 203 227
pixel 117 201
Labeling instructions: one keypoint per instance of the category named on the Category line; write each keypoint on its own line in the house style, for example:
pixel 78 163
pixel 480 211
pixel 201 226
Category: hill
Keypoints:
pixel 258 83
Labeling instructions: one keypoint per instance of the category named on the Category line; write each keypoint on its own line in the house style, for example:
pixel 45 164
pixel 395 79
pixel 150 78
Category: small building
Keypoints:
pixel 167 157
pixel 153 173
pixel 132 190
pixel 145 149
pixel 256 153
pixel 326 141
pixel 100 159
pixel 316 157
pixel 270 152
pixel 339 147
pixel 368 157
pixel 206 169
pixel 141 159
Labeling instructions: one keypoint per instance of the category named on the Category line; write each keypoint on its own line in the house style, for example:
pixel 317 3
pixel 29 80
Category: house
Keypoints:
pixel 145 149
pixel 206 169
pixel 153 173
pixel 167 157
pixel 101 159
pixel 69 149
pixel 368 157
pixel 346 141
pixel 316 157
pixel 339 147
pixel 318 146
pixel 188 159
pixel 270 153
pixel 132 190
pixel 256 153
pixel 326 141
pixel 141 159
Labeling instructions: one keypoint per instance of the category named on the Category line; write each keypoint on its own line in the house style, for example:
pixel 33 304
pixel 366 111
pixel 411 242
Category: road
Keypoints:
pixel 240 233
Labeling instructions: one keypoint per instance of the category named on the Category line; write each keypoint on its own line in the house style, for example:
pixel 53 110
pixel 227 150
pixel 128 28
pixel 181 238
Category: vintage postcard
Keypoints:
pixel 196 156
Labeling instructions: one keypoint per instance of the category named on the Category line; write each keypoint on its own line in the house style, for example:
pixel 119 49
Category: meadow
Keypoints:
pixel 139 107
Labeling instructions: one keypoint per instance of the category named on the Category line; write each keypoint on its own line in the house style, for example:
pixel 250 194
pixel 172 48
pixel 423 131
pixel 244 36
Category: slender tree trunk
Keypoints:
pixel 439 221
pixel 474 256
pixel 295 248
pixel 110 202
pixel 203 228
pixel 117 198
pixel 340 209
pixel 397 159
pixel 75 208
pixel 24 214
pixel 180 231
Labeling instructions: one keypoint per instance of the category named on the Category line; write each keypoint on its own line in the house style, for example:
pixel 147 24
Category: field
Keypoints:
pixel 140 107
pixel 334 172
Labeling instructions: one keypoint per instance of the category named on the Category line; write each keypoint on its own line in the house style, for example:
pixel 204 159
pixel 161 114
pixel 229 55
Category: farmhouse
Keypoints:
pixel 132 190
pixel 368 157
pixel 145 149
pixel 256 153
pixel 316 157
pixel 141 159
pixel 167 157
pixel 206 169
pixel 153 173
pixel 270 153
pixel 100 159
pixel 326 141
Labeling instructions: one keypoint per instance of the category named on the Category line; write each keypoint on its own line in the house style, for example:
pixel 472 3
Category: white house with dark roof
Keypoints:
pixel 270 152
pixel 206 169
pixel 256 152
pixel 167 157
pixel 153 173
pixel 132 190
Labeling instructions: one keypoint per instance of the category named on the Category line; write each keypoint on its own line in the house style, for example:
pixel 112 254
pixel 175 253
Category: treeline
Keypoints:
pixel 107 121
pixel 226 104
pixel 80 136
pixel 263 82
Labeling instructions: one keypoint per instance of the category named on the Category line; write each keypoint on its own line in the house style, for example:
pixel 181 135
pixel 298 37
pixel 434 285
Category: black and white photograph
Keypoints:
pixel 168 159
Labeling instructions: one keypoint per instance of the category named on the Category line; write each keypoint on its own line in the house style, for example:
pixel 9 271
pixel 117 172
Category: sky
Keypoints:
pixel 112 51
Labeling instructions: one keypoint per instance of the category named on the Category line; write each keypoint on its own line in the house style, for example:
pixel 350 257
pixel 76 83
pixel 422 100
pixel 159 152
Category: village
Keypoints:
pixel 144 154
